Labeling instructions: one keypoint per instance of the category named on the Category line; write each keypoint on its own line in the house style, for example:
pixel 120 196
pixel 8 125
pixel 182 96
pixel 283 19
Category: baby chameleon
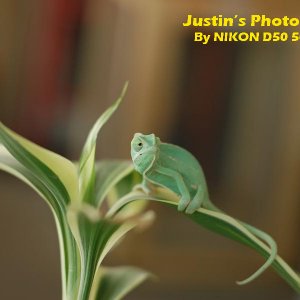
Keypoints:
pixel 172 167
pixel 177 169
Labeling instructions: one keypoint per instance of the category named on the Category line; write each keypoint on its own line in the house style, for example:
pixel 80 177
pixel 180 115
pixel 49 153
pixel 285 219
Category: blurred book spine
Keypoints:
pixel 48 61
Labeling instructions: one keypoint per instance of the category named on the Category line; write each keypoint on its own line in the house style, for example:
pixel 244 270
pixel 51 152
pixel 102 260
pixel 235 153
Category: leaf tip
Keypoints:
pixel 124 90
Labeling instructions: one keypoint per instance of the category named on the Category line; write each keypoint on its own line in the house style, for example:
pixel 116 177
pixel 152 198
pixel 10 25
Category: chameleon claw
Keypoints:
pixel 182 205
pixel 191 208
pixel 194 205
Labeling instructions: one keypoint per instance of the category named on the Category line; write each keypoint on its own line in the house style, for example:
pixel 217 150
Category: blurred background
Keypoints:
pixel 236 106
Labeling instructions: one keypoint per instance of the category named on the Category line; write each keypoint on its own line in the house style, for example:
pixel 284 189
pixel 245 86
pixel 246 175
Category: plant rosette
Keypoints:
pixel 96 203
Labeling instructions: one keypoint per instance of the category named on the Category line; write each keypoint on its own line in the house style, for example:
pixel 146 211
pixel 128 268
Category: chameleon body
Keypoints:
pixel 172 167
pixel 175 168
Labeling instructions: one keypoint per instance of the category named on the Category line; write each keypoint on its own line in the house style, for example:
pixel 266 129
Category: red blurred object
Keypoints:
pixel 47 84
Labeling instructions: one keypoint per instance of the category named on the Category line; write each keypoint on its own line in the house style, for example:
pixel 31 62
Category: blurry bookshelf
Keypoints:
pixel 235 106
pixel 38 59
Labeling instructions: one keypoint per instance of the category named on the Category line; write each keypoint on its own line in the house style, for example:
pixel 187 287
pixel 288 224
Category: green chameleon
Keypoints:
pixel 172 167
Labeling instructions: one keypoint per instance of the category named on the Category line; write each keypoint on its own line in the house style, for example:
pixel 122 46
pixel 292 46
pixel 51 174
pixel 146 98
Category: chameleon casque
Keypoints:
pixel 175 168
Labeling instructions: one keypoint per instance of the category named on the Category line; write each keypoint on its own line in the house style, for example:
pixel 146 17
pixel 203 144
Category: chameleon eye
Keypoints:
pixel 137 146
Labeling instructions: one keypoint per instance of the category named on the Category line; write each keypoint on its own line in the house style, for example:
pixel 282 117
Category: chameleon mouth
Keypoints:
pixel 136 156
pixel 140 153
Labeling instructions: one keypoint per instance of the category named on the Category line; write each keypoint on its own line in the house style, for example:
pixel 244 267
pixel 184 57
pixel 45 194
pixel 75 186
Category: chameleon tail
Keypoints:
pixel 273 247
pixel 209 205
pixel 258 233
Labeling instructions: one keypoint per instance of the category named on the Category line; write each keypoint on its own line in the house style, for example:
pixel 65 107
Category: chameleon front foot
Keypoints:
pixel 144 187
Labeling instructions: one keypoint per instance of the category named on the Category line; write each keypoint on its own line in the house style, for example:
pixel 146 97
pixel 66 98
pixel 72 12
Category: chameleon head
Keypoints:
pixel 144 148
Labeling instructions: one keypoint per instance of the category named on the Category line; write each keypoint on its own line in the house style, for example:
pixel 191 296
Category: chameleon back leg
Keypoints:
pixel 181 185
pixel 197 201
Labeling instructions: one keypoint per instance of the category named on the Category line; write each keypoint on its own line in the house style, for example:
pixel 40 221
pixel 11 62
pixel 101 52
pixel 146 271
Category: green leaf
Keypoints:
pixel 54 178
pixel 108 174
pixel 257 233
pixel 93 234
pixel 87 159
pixel 96 236
pixel 223 225
pixel 232 229
pixel 57 172
pixel 10 165
pixel 114 179
pixel 116 283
